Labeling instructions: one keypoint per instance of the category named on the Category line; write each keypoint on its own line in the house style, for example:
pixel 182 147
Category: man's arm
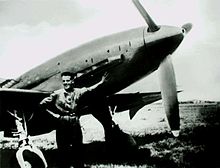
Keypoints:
pixel 64 118
pixel 99 83
pixel 53 114
pixel 48 100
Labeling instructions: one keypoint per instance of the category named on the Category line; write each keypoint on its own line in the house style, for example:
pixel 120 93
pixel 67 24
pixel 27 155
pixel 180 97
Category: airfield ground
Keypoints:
pixel 197 146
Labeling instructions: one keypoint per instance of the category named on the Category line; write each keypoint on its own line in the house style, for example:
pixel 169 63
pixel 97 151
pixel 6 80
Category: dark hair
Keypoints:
pixel 67 73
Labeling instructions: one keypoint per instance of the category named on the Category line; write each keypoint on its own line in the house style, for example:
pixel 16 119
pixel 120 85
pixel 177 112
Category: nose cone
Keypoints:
pixel 163 42
pixel 187 27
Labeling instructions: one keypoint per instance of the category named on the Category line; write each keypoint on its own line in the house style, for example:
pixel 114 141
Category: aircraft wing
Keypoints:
pixel 39 121
pixel 26 103
pixel 132 101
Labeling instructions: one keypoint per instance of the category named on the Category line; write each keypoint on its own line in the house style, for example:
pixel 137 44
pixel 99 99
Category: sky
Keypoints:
pixel 33 31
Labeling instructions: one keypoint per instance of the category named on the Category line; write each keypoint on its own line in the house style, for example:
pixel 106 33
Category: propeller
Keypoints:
pixel 166 75
pixel 152 26
pixel 169 94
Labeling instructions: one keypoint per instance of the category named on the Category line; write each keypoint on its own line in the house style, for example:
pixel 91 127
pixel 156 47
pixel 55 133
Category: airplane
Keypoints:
pixel 126 57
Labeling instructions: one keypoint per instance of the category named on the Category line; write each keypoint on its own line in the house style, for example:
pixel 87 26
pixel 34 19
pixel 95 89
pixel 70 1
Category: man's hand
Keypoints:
pixel 53 114
pixel 46 100
pixel 104 77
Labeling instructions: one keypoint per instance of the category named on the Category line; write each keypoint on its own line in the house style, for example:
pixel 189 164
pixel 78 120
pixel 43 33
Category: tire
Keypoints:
pixel 31 160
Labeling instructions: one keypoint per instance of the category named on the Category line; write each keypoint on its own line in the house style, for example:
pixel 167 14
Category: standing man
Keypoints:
pixel 64 104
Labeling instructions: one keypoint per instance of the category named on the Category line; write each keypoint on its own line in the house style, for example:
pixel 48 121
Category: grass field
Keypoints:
pixel 197 146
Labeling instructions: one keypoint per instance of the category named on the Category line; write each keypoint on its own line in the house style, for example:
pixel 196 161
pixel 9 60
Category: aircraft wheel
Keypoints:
pixel 31 160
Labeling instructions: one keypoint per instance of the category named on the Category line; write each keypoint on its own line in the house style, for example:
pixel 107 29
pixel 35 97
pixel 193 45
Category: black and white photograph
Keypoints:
pixel 109 84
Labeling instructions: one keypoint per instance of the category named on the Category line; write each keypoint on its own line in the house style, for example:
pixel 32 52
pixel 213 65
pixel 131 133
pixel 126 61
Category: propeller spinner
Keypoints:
pixel 187 27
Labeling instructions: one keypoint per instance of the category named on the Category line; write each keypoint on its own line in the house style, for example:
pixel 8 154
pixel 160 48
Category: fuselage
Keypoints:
pixel 141 53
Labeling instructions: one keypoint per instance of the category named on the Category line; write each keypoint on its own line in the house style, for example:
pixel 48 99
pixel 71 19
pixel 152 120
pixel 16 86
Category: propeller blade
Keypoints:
pixel 152 26
pixel 187 27
pixel 169 94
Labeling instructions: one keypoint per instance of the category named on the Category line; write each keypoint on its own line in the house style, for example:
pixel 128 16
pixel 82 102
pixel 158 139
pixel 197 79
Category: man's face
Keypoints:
pixel 67 82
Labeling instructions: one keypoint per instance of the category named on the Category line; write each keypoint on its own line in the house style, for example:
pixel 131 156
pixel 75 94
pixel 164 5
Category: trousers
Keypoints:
pixel 70 145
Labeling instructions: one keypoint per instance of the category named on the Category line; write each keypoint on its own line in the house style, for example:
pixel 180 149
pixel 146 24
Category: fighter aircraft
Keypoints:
pixel 125 56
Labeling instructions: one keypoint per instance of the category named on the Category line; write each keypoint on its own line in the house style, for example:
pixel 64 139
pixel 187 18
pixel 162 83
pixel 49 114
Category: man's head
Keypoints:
pixel 68 80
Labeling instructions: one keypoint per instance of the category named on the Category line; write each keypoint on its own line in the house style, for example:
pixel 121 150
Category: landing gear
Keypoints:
pixel 123 146
pixel 115 138
pixel 118 136
pixel 28 155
